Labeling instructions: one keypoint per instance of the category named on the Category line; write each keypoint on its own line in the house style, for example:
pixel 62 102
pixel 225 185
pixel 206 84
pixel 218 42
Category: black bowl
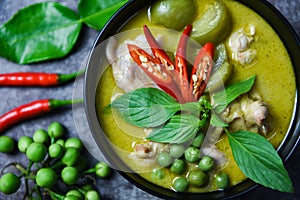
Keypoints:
pixel 93 74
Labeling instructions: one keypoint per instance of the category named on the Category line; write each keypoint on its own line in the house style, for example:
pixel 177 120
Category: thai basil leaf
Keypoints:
pixel 95 13
pixel 223 98
pixel 39 32
pixel 179 129
pixel 146 107
pixel 259 161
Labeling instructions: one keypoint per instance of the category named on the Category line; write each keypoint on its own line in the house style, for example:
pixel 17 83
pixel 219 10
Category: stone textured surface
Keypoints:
pixel 115 188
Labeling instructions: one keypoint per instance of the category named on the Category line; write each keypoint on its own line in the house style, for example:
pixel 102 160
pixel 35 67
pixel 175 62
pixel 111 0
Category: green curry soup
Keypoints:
pixel 272 66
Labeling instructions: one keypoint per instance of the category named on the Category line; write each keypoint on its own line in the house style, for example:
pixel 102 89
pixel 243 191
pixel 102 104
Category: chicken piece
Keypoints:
pixel 128 75
pixel 145 153
pixel 247 113
pixel 239 43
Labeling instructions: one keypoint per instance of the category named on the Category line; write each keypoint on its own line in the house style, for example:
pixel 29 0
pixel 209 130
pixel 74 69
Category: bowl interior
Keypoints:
pixel 94 72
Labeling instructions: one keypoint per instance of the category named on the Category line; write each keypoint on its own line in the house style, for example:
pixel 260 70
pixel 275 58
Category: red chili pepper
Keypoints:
pixel 157 51
pixel 173 78
pixel 31 110
pixel 181 65
pixel 155 70
pixel 201 69
pixel 36 78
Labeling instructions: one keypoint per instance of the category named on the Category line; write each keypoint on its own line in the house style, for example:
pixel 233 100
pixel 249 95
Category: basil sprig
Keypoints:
pixel 178 123
pixel 259 161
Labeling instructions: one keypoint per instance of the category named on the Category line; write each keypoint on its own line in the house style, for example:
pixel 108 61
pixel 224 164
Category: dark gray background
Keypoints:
pixel 116 187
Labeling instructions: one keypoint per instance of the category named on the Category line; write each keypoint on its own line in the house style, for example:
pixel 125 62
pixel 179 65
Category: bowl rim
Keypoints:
pixel 288 36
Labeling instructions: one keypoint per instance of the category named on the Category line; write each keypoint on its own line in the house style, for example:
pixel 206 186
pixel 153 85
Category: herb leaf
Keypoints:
pixel 146 107
pixel 225 97
pixel 39 32
pixel 259 161
pixel 95 13
pixel 181 128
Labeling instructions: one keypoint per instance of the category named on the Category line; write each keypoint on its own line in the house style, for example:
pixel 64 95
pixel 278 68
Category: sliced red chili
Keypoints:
pixel 157 51
pixel 173 78
pixel 181 65
pixel 155 70
pixel 202 69
pixel 31 110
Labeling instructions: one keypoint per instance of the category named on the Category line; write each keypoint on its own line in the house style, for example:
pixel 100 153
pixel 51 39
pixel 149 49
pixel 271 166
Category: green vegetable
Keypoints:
pixel 158 173
pixel 221 180
pixel 212 25
pixel 70 156
pixel 102 170
pixel 95 13
pixel 46 177
pixel 149 107
pixel 61 142
pixel 180 184
pixel 259 161
pixel 71 197
pixel 192 154
pixel 69 175
pixel 173 14
pixel 178 166
pixel 9 183
pixel 206 163
pixel 223 98
pixel 74 142
pixel 75 193
pixel 198 178
pixel 177 150
pixel 164 159
pixel 55 150
pixel 6 144
pixel 56 130
pixel 92 195
pixel 39 32
pixel 40 136
pixel 23 143
pixel 36 152
pixel 198 140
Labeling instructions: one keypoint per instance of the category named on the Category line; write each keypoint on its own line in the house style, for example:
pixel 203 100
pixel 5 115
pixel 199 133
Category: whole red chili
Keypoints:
pixel 36 78
pixel 31 110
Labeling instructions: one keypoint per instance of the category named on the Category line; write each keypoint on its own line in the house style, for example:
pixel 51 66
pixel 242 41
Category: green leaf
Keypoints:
pixel 146 107
pixel 39 32
pixel 259 161
pixel 223 98
pixel 95 13
pixel 181 128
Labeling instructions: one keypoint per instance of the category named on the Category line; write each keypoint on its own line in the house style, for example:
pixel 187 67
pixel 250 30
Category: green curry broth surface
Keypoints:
pixel 275 82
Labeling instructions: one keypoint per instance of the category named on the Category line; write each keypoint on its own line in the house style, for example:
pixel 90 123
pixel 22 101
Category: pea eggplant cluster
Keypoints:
pixel 177 159
pixel 54 162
